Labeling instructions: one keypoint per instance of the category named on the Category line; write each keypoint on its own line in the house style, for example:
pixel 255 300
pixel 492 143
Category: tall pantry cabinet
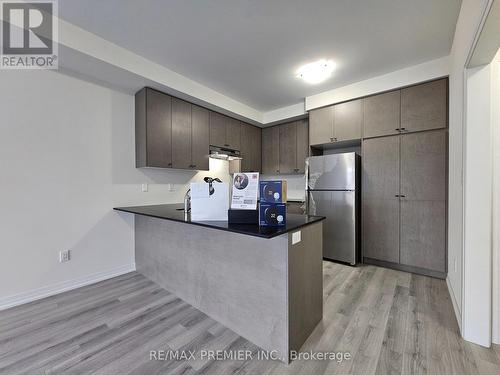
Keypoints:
pixel 405 178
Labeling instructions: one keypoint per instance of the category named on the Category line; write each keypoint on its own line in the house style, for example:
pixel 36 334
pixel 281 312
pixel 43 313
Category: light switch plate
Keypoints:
pixel 144 188
pixel 296 237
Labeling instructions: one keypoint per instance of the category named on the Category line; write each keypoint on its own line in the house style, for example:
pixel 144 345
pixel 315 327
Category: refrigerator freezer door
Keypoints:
pixel 332 172
pixel 339 228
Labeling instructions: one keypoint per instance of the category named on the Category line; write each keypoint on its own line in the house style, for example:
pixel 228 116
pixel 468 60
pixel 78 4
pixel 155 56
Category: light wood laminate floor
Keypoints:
pixel 390 322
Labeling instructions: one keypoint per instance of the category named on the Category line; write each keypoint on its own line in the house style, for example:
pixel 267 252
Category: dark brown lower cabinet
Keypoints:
pixel 423 200
pixel 380 203
pixel 423 234
pixel 404 201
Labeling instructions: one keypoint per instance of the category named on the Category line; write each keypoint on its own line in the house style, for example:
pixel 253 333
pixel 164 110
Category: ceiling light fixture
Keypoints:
pixel 316 72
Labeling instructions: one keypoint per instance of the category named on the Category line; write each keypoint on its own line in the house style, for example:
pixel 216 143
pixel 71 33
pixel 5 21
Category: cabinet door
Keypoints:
pixel 425 106
pixel 382 114
pixel 423 205
pixel 251 139
pixel 257 149
pixel 271 150
pixel 302 145
pixel 181 134
pixel 380 201
pixel 321 126
pixel 288 148
pixel 348 118
pixel 217 129
pixel 200 137
pixel 233 133
pixel 158 129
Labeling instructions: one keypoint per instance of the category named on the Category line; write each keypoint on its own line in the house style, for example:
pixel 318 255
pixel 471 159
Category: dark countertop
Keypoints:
pixel 171 212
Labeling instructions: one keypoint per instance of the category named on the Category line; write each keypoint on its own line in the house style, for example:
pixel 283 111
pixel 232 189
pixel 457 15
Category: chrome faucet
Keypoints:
pixel 187 201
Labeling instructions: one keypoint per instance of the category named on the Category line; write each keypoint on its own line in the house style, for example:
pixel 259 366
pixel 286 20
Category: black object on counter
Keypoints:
pixel 235 216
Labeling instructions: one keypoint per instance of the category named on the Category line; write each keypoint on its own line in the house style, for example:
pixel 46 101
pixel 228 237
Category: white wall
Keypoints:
pixel 66 159
pixel 496 198
pixel 478 208
pixel 467 26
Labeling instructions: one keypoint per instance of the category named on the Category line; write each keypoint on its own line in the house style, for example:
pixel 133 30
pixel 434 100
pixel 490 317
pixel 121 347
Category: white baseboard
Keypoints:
pixel 47 291
pixel 458 315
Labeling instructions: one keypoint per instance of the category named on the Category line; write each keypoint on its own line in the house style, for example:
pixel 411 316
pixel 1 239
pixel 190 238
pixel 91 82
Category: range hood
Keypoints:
pixel 222 153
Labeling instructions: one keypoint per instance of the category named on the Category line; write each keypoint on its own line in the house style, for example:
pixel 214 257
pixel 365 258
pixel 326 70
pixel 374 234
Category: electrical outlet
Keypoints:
pixel 144 188
pixel 64 256
pixel 171 187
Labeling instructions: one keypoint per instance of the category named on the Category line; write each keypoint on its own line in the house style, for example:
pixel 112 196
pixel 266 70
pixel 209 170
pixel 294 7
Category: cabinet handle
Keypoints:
pixel 402 196
pixel 169 164
pixel 331 139
pixel 397 195
pixel 403 129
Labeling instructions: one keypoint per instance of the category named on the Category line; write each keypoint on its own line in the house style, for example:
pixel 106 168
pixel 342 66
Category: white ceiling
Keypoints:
pixel 249 50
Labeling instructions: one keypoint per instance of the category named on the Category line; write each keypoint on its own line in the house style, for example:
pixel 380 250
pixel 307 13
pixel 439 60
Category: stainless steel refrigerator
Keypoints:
pixel 334 191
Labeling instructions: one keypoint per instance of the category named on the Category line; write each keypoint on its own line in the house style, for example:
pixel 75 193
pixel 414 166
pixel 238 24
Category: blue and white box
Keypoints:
pixel 272 214
pixel 273 191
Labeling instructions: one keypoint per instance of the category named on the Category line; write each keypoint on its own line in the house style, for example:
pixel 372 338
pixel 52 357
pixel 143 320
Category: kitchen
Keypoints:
pixel 155 211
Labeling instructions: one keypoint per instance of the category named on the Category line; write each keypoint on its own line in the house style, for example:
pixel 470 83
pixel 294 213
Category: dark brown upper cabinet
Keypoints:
pixel 224 131
pixel 233 134
pixel 293 147
pixel 153 129
pixel 170 132
pixel 181 134
pixel 218 129
pixel 382 114
pixel 321 126
pixel 251 148
pixel 336 123
pixel 200 138
pixel 190 136
pixel 302 145
pixel 271 150
pixel 288 147
pixel 348 120
pixel 425 106
pixel 285 148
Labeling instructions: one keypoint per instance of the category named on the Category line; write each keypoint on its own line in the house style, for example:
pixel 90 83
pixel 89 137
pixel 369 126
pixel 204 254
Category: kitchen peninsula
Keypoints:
pixel 263 283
